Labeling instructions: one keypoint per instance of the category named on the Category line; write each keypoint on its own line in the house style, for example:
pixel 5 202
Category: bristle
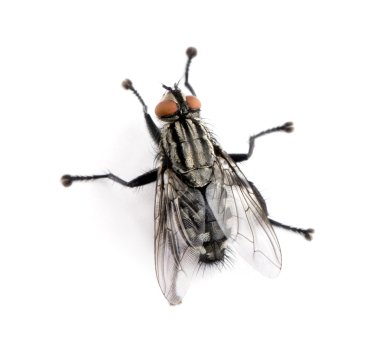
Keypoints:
pixel 225 262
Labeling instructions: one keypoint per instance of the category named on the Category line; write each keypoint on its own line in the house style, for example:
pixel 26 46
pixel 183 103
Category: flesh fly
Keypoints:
pixel 204 205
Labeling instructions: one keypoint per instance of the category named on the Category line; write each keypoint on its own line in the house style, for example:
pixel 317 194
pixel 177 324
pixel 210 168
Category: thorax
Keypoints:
pixel 188 145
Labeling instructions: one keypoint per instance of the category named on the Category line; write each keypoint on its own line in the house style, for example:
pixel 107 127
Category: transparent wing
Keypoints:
pixel 242 218
pixel 179 222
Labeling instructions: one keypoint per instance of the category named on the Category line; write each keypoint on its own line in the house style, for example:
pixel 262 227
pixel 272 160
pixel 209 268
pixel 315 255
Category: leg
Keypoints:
pixel 153 129
pixel 141 180
pixel 259 197
pixel 238 157
pixel 191 53
pixel 306 233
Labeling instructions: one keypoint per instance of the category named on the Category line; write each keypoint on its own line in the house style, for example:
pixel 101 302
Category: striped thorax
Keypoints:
pixel 187 144
pixel 185 141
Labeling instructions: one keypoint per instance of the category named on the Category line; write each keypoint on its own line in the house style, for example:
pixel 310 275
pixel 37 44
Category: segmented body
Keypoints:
pixel 188 145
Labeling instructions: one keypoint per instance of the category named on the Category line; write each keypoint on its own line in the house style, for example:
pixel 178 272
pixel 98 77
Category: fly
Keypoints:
pixel 204 205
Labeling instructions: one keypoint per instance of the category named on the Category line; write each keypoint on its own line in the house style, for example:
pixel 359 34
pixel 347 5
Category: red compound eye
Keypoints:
pixel 193 102
pixel 166 108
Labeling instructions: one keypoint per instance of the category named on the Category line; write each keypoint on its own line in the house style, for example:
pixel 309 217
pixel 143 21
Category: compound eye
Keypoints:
pixel 166 108
pixel 193 102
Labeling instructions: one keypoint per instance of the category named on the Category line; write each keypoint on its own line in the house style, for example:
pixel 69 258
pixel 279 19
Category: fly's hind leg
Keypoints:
pixel 141 180
pixel 238 157
pixel 307 233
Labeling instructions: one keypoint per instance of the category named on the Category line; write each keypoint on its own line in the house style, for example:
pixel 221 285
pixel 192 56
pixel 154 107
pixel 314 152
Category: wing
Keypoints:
pixel 179 223
pixel 242 217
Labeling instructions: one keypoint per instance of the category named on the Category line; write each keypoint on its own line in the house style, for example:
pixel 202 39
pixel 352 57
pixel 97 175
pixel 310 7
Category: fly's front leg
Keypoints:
pixel 191 52
pixel 141 180
pixel 238 157
pixel 154 131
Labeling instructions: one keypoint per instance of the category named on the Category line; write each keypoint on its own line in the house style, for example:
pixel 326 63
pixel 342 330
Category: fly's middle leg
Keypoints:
pixel 141 180
pixel 238 157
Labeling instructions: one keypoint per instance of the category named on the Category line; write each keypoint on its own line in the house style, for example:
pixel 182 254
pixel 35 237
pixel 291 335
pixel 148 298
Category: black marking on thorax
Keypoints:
pixel 188 145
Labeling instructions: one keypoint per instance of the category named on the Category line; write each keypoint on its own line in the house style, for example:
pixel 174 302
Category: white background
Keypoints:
pixel 78 262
